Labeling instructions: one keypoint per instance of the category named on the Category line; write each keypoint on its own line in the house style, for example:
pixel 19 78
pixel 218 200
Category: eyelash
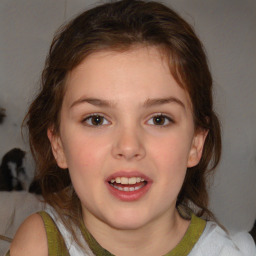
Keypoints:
pixel 167 119
pixel 88 120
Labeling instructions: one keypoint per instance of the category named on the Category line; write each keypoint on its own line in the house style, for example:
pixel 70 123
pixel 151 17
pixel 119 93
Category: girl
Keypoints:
pixel 124 135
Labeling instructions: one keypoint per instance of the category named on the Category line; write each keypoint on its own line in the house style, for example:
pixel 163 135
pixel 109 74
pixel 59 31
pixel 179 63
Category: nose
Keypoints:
pixel 128 144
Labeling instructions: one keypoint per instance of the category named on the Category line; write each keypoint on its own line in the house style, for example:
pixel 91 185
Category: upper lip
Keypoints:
pixel 128 174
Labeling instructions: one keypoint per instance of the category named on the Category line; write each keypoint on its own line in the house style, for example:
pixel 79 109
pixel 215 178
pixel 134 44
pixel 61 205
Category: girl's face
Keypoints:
pixel 127 137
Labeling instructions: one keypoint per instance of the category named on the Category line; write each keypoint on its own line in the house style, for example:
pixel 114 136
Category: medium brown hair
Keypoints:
pixel 120 25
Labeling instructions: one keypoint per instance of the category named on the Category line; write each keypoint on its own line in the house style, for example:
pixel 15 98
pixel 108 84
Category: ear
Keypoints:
pixel 57 149
pixel 196 149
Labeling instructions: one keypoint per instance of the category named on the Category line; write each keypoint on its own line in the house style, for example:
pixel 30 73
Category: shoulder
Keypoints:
pixel 30 238
pixel 245 243
pixel 215 241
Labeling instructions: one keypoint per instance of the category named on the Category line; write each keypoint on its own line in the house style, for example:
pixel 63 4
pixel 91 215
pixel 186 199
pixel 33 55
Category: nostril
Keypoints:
pixel 128 150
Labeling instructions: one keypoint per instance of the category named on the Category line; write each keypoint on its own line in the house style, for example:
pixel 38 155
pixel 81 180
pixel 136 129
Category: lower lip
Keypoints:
pixel 129 196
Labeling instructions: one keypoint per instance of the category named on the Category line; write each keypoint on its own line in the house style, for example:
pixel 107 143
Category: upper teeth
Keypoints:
pixel 125 180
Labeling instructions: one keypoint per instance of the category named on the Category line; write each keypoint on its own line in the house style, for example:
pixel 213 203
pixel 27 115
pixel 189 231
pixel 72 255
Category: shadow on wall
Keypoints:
pixel 253 232
pixel 12 171
pixel 2 115
pixel 11 168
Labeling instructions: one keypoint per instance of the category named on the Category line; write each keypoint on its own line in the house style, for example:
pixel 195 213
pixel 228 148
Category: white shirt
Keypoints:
pixel 216 242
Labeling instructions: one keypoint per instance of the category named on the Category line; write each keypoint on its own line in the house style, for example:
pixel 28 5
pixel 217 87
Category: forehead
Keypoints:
pixel 124 57
pixel 112 74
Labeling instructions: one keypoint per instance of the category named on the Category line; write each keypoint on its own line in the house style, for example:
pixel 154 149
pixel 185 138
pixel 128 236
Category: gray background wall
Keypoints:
pixel 227 29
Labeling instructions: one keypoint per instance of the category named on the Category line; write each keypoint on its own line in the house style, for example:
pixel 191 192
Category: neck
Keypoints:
pixel 155 238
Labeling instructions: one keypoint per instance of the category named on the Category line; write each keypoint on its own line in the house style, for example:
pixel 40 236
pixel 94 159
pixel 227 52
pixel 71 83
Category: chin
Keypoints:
pixel 127 221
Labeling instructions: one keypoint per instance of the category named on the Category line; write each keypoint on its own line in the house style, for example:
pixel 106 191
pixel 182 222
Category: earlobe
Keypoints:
pixel 197 146
pixel 57 149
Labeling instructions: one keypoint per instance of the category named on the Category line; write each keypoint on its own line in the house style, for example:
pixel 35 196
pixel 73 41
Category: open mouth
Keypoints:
pixel 128 184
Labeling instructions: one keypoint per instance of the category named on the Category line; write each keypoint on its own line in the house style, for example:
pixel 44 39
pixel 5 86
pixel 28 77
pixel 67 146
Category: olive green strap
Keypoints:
pixel 187 243
pixel 56 244
pixel 190 238
pixel 93 244
pixel 7 254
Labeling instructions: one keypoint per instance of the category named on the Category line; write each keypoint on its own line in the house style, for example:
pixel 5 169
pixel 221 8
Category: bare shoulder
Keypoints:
pixel 30 238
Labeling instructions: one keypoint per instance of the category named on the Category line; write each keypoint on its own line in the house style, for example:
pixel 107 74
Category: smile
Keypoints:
pixel 128 184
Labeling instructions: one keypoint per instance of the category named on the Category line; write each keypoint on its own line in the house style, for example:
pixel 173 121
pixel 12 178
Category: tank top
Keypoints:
pixel 60 241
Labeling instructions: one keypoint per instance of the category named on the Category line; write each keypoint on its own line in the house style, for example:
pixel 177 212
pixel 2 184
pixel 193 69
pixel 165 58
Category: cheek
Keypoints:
pixel 83 159
pixel 171 165
pixel 83 153
pixel 170 159
pixel 172 151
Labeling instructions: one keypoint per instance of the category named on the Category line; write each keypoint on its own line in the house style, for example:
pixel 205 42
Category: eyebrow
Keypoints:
pixel 146 104
pixel 162 101
pixel 93 101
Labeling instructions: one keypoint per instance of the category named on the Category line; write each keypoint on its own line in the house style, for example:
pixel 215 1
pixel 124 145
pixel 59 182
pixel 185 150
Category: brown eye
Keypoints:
pixel 160 120
pixel 95 120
